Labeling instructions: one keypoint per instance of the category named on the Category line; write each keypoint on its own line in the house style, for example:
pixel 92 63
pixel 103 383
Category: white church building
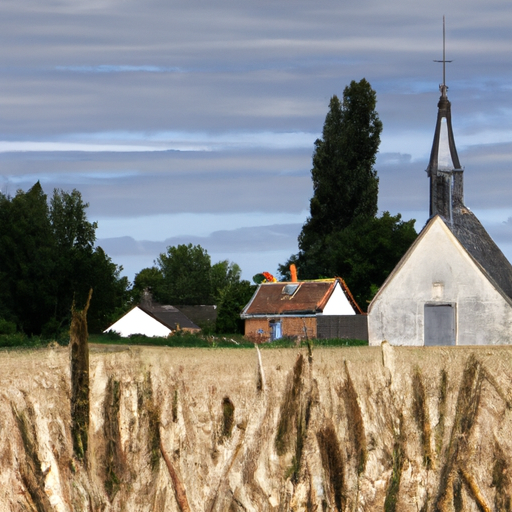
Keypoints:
pixel 454 285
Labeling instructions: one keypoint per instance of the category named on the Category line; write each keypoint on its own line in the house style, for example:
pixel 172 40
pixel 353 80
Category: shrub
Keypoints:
pixel 7 327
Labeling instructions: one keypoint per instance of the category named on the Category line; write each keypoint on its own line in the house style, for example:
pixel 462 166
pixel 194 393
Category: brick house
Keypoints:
pixel 303 309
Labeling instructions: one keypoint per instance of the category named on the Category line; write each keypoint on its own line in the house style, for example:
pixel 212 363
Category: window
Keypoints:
pixel 289 289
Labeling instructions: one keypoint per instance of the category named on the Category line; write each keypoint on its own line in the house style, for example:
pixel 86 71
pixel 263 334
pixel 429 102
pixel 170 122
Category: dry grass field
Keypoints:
pixel 347 429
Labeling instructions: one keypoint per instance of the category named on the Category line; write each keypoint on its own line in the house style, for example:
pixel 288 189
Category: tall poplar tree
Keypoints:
pixel 345 183
pixel 343 235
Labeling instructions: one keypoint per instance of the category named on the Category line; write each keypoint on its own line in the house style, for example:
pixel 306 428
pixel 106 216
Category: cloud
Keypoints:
pixel 256 239
pixel 26 146
pixel 112 68
pixel 158 109
pixel 126 142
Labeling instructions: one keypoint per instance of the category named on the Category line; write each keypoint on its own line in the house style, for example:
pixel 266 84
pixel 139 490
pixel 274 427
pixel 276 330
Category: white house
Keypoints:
pixel 152 319
pixel 454 285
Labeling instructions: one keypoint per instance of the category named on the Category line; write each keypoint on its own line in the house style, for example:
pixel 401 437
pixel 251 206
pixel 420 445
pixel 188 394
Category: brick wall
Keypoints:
pixel 290 327
pixel 253 325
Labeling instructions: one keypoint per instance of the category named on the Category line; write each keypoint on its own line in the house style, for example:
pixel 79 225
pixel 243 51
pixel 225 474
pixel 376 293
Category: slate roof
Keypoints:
pixel 199 314
pixel 309 298
pixel 169 316
pixel 479 244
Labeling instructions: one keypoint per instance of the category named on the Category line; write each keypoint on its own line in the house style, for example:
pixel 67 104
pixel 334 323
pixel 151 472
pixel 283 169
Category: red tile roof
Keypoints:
pixel 310 297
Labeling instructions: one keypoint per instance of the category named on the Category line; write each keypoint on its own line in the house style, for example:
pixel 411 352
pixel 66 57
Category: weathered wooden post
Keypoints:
pixel 79 352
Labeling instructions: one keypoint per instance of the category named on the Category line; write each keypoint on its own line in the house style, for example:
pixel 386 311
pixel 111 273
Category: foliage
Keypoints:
pixel 148 278
pixel 223 275
pixel 18 339
pixel 232 299
pixel 367 251
pixel 345 183
pixel 27 260
pixel 185 339
pixel 48 259
pixel 343 236
pixel 184 275
pixel 7 327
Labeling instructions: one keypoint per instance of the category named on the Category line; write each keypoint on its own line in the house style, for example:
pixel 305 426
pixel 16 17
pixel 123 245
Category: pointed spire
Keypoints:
pixel 443 87
pixel 444 169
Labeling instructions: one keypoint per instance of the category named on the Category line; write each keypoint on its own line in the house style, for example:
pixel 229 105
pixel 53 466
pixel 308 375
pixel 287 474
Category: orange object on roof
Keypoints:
pixel 293 272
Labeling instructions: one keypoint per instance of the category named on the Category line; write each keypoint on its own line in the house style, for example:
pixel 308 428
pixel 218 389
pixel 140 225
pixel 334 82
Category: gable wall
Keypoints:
pixel 338 304
pixel 438 270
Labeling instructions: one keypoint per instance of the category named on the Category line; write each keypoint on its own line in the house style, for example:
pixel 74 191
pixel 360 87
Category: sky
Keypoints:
pixel 186 121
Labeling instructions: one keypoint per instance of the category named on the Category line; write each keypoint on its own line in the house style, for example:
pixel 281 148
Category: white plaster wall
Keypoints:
pixel 338 304
pixel 439 270
pixel 137 321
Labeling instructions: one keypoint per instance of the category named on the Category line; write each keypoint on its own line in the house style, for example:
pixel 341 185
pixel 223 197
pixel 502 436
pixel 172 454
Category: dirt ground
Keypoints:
pixel 359 429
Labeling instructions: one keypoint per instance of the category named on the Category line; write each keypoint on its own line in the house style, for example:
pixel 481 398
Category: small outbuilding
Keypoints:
pixel 153 319
pixel 322 308
pixel 454 285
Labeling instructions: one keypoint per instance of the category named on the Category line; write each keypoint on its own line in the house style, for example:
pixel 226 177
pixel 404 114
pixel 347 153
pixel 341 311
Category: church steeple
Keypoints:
pixel 444 170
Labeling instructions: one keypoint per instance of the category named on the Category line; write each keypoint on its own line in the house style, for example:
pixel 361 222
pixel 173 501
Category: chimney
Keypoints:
pixel 293 272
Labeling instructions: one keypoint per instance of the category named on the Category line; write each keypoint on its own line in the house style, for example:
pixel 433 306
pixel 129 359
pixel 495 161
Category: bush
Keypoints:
pixel 51 329
pixel 18 339
pixel 7 327
pixel 202 340
pixel 112 335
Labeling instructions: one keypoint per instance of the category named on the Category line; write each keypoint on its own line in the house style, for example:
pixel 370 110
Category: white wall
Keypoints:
pixel 439 270
pixel 338 304
pixel 137 321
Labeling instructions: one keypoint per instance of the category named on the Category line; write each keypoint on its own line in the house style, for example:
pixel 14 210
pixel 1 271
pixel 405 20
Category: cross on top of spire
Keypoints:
pixel 443 87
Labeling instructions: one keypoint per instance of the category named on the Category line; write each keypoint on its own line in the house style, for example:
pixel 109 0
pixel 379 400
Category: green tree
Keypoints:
pixel 186 275
pixel 27 259
pixel 342 236
pixel 232 300
pixel 48 260
pixel 223 274
pixel 69 221
pixel 111 296
pixel 150 278
pixel 74 238
pixel 345 183
pixel 83 266
pixel 367 251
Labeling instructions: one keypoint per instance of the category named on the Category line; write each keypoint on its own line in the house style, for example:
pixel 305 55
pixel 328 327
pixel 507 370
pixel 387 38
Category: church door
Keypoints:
pixel 439 324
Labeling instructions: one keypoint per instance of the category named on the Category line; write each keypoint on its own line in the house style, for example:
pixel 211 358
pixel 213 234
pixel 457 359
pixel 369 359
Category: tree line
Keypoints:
pixel 343 235
pixel 49 261
pixel 184 274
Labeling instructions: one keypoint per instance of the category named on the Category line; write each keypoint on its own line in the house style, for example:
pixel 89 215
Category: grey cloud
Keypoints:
pixel 501 232
pixel 109 68
pixel 71 68
pixel 118 185
pixel 243 240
